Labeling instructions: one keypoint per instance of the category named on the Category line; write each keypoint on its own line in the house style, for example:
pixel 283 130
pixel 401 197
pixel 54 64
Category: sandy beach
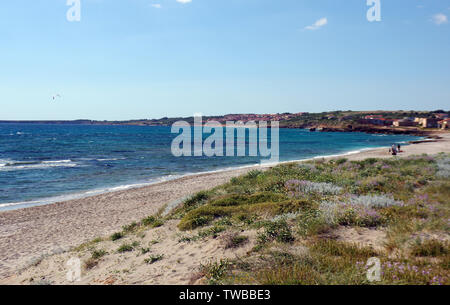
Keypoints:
pixel 26 235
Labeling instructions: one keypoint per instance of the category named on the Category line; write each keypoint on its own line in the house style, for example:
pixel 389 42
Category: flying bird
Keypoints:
pixel 56 96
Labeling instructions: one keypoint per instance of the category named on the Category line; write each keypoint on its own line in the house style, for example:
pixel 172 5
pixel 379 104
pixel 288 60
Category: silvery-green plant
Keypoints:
pixel 286 216
pixel 329 211
pixel 443 167
pixel 334 213
pixel 374 201
pixel 307 166
pixel 297 187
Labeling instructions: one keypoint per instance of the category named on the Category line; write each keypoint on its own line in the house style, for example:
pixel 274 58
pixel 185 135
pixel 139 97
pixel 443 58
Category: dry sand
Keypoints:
pixel 27 235
pixel 30 233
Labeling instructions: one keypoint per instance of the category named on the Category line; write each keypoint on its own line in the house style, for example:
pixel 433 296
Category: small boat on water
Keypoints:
pixel 312 129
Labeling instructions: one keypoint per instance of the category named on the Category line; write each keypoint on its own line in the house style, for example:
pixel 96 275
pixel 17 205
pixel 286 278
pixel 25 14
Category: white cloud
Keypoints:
pixel 318 24
pixel 439 19
pixel 157 5
pixel 184 1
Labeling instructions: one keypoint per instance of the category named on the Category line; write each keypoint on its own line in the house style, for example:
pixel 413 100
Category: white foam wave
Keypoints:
pixel 57 161
pixel 23 165
pixel 110 159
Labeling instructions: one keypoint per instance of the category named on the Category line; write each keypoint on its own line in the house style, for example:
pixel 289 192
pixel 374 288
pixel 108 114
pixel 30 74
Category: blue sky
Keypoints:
pixel 130 59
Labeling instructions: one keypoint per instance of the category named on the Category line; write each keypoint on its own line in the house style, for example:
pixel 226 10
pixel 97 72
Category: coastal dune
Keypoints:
pixel 27 235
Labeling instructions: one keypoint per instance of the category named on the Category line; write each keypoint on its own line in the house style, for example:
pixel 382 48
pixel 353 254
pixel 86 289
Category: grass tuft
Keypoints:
pixel 153 259
pixel 431 247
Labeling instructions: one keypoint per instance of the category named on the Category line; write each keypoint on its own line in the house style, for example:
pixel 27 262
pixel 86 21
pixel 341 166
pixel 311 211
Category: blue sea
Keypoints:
pixel 41 163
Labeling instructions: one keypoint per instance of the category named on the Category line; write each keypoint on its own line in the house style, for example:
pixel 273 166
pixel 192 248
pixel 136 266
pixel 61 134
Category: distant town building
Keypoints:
pixel 444 124
pixel 376 120
pixel 427 122
pixel 404 122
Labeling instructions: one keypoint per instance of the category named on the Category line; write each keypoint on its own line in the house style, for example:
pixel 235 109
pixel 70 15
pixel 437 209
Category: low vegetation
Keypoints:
pixel 153 258
pixel 430 247
pixel 234 240
pixel 296 224
pixel 125 248
pixel 301 206
pixel 214 272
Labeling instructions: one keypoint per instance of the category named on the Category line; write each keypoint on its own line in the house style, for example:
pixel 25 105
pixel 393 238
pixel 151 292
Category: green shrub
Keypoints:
pixel 311 222
pixel 145 250
pixel 125 248
pixel 96 254
pixel 341 161
pixel 197 198
pixel 215 271
pixel 186 239
pixel 130 228
pixel 153 259
pixel 234 180
pixel 262 238
pixel 253 174
pixel 431 247
pixel 225 221
pixel 116 236
pixel 192 222
pixel 280 231
pixel 148 220
pixel 213 231
pixel 245 217
pixel 203 216
pixel 152 221
pixel 234 240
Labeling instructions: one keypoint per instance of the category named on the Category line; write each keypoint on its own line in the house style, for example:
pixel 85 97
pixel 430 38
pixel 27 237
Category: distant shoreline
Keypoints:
pixel 370 129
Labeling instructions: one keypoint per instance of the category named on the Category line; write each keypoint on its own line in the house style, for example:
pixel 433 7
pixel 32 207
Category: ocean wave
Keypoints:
pixel 57 162
pixel 11 165
pixel 110 159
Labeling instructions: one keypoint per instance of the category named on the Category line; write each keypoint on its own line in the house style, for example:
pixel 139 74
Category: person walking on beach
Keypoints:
pixel 398 146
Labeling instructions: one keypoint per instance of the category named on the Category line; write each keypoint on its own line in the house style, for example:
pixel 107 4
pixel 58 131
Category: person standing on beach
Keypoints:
pixel 398 146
